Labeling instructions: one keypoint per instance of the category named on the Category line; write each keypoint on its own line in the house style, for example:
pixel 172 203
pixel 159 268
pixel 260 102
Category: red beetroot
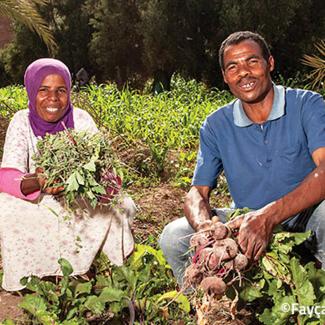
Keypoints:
pixel 220 231
pixel 228 245
pixel 240 261
pixel 192 275
pixel 213 285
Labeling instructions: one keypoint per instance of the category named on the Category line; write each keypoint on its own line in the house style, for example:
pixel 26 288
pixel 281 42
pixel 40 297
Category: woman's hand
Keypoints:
pixel 111 191
pixel 42 181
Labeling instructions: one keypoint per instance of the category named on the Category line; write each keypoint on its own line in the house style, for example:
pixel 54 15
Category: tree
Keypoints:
pixel 70 27
pixel 70 24
pixel 175 37
pixel 123 40
pixel 26 12
pixel 115 48
pixel 17 55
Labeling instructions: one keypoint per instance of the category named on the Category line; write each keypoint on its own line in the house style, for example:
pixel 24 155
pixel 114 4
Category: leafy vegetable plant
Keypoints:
pixel 280 288
pixel 140 292
pixel 285 285
pixel 83 163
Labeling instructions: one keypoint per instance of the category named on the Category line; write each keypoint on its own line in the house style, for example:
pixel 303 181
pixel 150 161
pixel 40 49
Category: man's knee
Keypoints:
pixel 175 235
pixel 169 237
pixel 316 224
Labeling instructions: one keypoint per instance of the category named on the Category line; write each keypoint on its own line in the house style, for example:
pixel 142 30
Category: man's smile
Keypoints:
pixel 247 85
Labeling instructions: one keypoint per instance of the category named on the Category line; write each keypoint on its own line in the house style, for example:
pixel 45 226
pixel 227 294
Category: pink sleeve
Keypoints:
pixel 10 181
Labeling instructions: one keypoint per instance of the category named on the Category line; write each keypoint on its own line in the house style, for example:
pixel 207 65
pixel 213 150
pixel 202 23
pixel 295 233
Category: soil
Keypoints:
pixel 157 206
pixel 8 307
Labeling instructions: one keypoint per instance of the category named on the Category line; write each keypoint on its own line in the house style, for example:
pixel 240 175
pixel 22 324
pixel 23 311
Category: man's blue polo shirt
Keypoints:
pixel 262 162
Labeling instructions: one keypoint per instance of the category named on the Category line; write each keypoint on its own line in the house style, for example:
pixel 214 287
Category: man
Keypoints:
pixel 270 142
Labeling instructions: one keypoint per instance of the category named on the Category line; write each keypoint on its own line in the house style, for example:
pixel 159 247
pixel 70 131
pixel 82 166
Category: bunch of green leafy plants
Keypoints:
pixel 282 288
pixel 140 292
pixel 82 162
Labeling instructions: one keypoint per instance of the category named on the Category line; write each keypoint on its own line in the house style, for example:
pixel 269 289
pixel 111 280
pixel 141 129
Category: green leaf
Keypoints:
pixel 284 241
pixel 99 189
pixel 82 288
pixel 48 290
pixel 72 183
pixel 94 304
pixel 31 283
pixel 74 322
pixel 278 315
pixel 79 178
pixel 33 304
pixel 71 313
pixel 110 294
pixel 103 281
pixel 117 307
pixel 93 203
pixel 127 273
pixel 66 267
pixel 91 195
pixel 303 287
pixel 274 291
pixel 90 166
pixel 7 322
pixel 316 277
pixel 252 291
pixel 273 265
pixel 141 250
pixel 46 318
pixel 178 297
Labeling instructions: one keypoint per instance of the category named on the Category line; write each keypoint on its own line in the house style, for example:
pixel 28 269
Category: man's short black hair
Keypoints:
pixel 237 37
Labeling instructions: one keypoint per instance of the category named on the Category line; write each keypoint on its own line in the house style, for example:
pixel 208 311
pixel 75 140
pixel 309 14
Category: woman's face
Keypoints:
pixel 52 98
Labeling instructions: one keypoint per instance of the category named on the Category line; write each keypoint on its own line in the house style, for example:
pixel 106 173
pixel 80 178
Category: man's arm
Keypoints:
pixel 196 207
pixel 255 228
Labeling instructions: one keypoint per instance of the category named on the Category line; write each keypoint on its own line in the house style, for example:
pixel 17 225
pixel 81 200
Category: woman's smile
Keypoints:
pixel 52 98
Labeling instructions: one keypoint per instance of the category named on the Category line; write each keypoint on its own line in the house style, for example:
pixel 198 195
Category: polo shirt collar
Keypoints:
pixel 242 120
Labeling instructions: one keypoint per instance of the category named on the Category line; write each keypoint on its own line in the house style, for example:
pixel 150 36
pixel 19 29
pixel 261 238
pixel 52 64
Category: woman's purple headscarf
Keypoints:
pixel 34 75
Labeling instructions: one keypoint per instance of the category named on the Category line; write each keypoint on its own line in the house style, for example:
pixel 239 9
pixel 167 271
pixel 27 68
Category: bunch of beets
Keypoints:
pixel 217 261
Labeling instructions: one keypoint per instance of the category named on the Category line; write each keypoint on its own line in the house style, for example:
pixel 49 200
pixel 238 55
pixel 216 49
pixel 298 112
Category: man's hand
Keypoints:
pixel 255 231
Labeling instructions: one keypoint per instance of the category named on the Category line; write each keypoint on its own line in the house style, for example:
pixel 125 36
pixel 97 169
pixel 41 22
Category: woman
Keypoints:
pixel 34 229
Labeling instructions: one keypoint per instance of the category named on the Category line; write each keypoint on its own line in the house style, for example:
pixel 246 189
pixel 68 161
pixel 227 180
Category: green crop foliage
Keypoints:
pixel 160 125
pixel 155 136
pixel 12 99
pixel 140 292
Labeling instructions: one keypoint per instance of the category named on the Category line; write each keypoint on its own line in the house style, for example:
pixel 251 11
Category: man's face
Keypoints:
pixel 52 98
pixel 246 71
